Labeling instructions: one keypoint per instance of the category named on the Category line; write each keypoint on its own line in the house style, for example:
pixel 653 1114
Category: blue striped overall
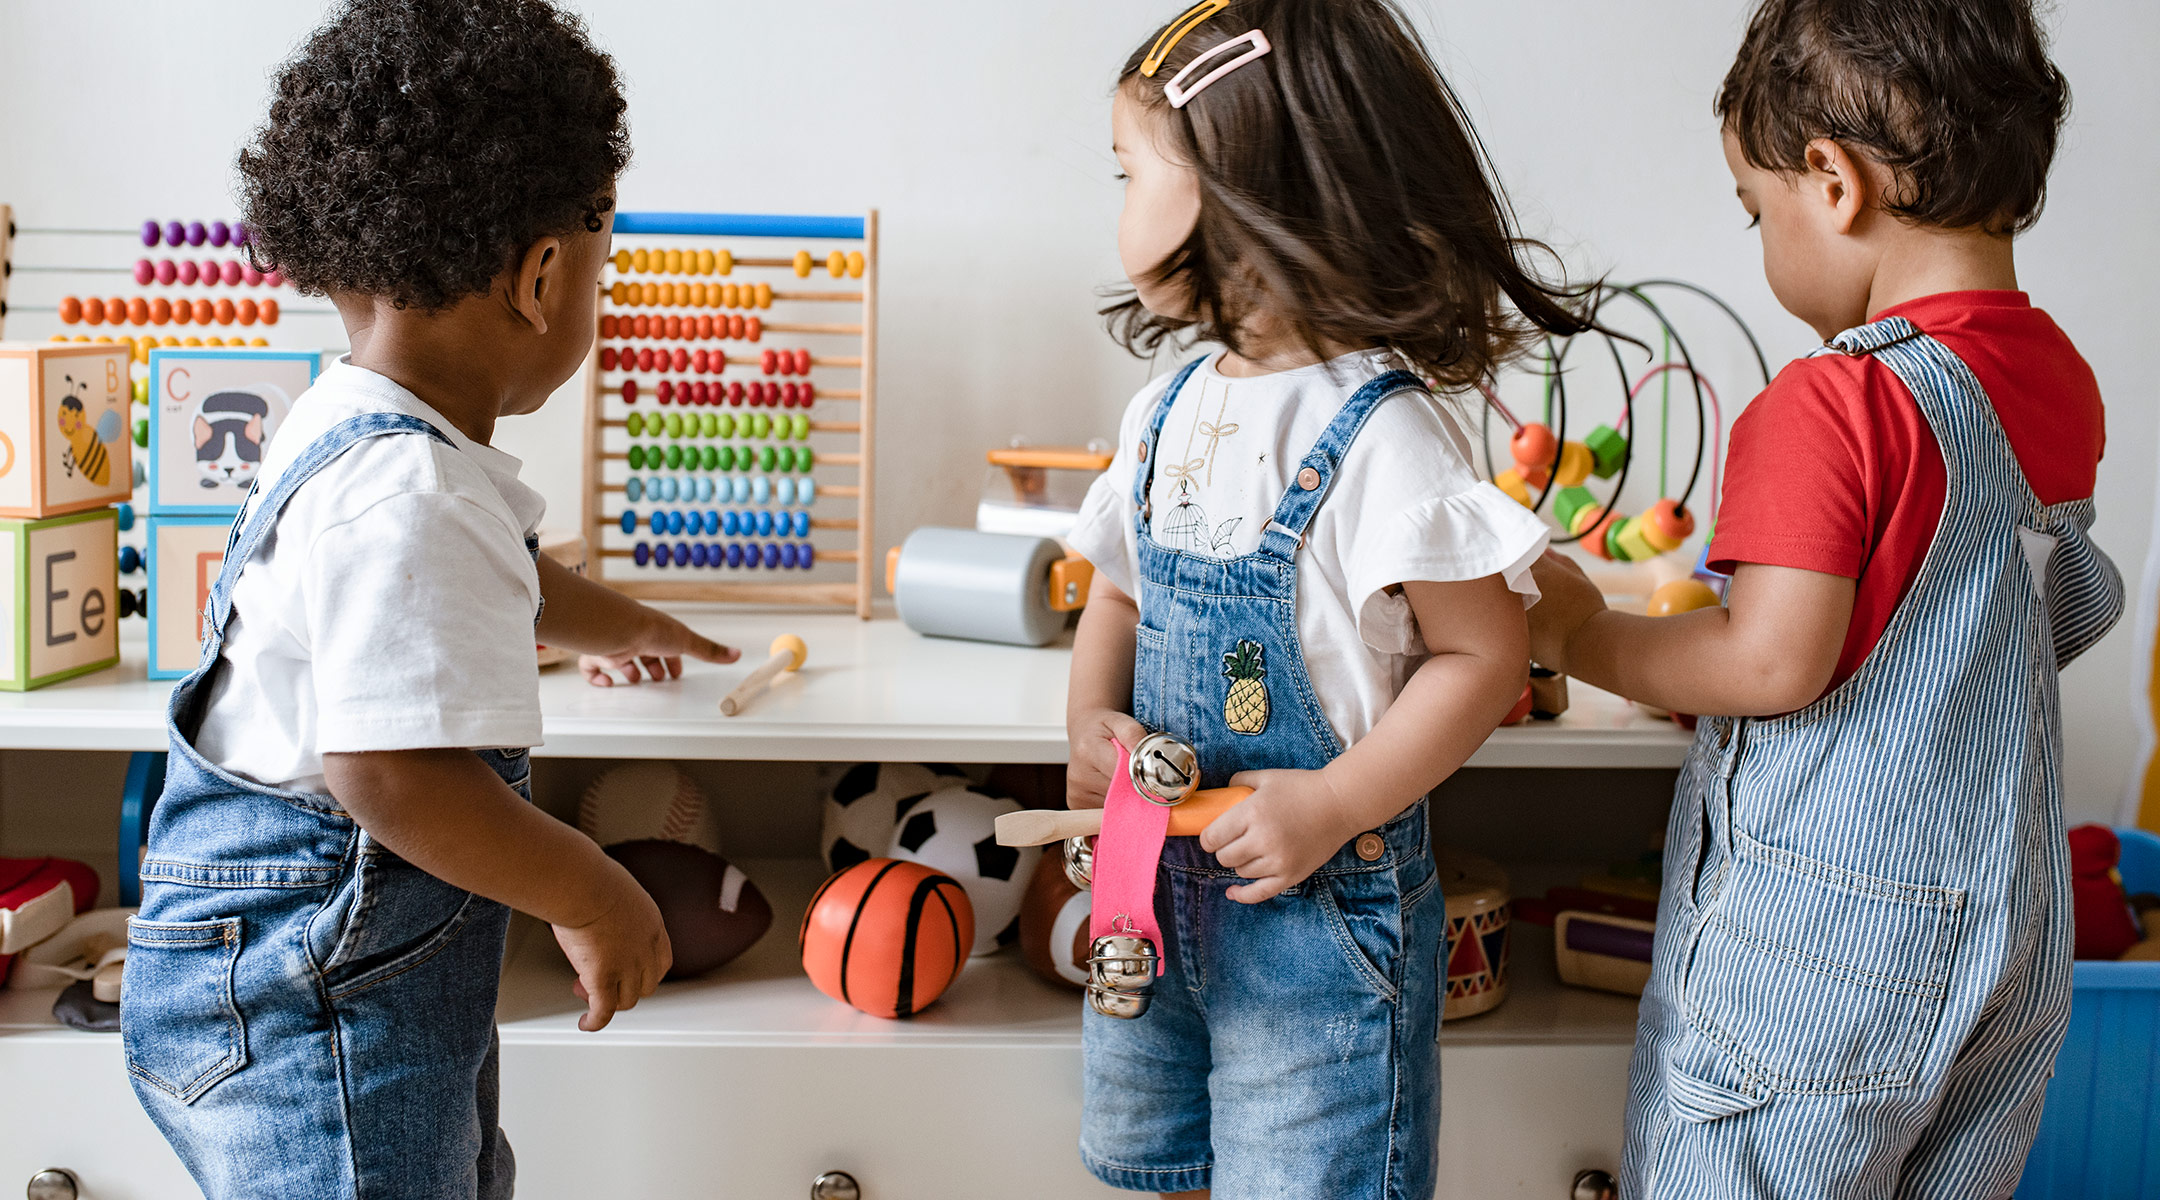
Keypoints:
pixel 1862 968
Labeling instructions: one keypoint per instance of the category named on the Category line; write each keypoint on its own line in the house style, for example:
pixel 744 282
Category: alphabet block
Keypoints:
pixel 185 556
pixel 63 428
pixel 62 577
pixel 212 411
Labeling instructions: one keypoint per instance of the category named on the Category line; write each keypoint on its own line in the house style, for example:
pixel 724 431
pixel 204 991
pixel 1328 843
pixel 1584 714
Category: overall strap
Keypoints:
pixel 248 534
pixel 1144 478
pixel 1287 530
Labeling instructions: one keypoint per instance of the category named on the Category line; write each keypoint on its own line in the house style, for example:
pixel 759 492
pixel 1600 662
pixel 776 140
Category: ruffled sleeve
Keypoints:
pixel 1474 533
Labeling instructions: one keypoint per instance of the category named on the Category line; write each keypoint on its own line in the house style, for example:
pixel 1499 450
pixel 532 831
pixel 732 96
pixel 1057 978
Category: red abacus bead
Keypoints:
pixel 230 272
pixel 753 329
pixel 225 312
pixel 93 310
pixel 701 362
pixel 675 327
pixel 249 312
pixel 680 360
pixel 269 312
pixel 665 392
pixel 1533 445
pixel 71 310
pixel 205 312
pixel 629 391
pixel 189 272
pixel 769 361
pixel 607 325
pixel 144 272
pixel 183 313
pixel 607 358
pixel 731 325
pixel 1675 522
pixel 138 311
pixel 249 275
pixel 638 325
pixel 645 357
pixel 160 310
pixel 212 272
pixel 735 393
pixel 809 393
pixel 704 326
pixel 166 271
pixel 273 278
pixel 802 361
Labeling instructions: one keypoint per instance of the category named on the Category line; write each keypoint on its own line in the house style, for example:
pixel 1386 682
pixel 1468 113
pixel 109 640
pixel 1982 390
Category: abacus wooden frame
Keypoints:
pixel 595 488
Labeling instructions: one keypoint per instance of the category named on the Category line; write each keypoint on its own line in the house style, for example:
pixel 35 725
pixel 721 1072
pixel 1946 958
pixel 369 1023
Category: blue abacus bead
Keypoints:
pixel 738 489
pixel 729 524
pixel 705 487
pixel 682 554
pixel 787 556
pixel 802 523
pixel 629 520
pixel 694 522
pixel 772 556
pixel 734 554
pixel 140 475
pixel 712 521
pixel 124 516
pixel 764 524
pixel 760 490
pixel 808 557
pixel 633 489
pixel 715 555
pixel 806 491
pixel 783 491
pixel 130 560
pixel 674 489
pixel 697 554
pixel 641 554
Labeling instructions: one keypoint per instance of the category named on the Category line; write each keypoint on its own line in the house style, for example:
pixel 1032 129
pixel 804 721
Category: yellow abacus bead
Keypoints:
pixel 674 262
pixel 213 341
pixel 854 264
pixel 802 264
pixel 104 339
pixel 725 264
pixel 836 264
pixel 640 260
pixel 1511 482
pixel 261 341
pixel 59 337
pixel 704 262
pixel 1576 462
pixel 142 390
pixel 169 340
pixel 1679 596
pixel 731 296
pixel 649 294
pixel 1657 538
pixel 193 341
pixel 764 294
pixel 142 350
pixel 622 262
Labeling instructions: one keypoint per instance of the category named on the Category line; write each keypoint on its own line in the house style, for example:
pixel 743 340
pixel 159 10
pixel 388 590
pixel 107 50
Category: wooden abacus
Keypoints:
pixel 696 512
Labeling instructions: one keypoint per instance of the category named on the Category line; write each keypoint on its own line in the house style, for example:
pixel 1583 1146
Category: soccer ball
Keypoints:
pixel 953 830
pixel 864 807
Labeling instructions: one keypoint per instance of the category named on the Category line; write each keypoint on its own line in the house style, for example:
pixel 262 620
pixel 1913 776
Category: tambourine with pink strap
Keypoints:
pixel 1154 795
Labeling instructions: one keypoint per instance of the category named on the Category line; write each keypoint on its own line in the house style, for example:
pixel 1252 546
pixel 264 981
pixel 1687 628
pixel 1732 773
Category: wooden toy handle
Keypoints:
pixel 1042 826
pixel 788 653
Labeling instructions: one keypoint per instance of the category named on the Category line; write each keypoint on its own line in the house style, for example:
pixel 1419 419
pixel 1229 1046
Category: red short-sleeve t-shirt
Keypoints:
pixel 1834 469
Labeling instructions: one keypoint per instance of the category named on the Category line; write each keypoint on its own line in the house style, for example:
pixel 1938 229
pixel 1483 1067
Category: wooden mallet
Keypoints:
pixel 788 653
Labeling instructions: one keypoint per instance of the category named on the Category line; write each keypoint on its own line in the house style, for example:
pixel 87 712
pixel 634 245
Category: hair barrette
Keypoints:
pixel 1180 95
pixel 1175 32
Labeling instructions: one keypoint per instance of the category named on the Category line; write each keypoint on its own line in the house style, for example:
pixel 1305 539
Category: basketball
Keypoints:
pixel 1054 923
pixel 887 937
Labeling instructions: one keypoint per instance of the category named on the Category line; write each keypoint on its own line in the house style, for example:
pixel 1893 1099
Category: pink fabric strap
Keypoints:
pixel 1126 855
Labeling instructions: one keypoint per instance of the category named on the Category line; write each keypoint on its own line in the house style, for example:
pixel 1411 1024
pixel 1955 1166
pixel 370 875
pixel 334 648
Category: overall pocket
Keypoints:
pixel 1364 912
pixel 183 1033
pixel 1817 978
pixel 1151 654
pixel 390 917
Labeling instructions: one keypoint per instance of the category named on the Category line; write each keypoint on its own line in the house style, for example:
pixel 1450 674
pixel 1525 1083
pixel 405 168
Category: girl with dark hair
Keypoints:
pixel 1299 574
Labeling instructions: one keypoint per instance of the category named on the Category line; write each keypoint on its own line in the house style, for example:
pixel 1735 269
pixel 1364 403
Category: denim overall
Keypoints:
pixel 304 1012
pixel 1862 967
pixel 1290 1048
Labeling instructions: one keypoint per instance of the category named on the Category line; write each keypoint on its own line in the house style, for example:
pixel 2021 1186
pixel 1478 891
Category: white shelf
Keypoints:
pixel 871 690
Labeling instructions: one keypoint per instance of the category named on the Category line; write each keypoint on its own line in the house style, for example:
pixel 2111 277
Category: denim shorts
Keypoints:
pixel 1290 1049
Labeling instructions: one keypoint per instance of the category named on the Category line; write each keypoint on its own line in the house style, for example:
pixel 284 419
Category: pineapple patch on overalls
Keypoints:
pixel 1245 707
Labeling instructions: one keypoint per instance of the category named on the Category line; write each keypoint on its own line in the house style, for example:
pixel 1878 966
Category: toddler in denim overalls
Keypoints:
pixel 308 1006
pixel 1862 964
pixel 1299 574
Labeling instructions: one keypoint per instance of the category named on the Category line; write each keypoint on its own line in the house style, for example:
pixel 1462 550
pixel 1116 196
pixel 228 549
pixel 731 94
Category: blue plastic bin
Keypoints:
pixel 2100 1133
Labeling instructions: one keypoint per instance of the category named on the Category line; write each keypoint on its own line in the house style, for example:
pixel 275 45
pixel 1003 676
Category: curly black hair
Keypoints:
pixel 1956 97
pixel 415 147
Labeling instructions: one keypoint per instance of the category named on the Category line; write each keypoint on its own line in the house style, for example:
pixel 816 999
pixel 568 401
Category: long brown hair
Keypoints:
pixel 1344 193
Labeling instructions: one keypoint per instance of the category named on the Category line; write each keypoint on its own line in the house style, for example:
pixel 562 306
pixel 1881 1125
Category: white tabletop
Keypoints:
pixel 871 690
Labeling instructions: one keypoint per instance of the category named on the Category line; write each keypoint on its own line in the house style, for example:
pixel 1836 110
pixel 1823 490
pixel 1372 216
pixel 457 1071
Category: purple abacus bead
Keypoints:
pixel 230 272
pixel 144 272
pixel 641 554
pixel 197 233
pixel 734 554
pixel 175 233
pixel 240 234
pixel 150 233
pixel 808 557
pixel 220 233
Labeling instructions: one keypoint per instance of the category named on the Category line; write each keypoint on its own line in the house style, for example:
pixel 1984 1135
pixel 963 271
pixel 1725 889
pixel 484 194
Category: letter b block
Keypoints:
pixel 60 613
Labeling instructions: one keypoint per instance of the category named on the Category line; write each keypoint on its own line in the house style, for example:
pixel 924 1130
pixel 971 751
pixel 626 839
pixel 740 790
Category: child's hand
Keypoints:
pixel 1094 761
pixel 658 647
pixel 1292 823
pixel 619 955
pixel 1566 599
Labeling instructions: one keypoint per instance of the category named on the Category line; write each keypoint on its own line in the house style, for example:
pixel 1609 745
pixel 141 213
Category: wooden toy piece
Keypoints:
pixel 1569 503
pixel 1042 826
pixel 1628 543
pixel 61 576
pixel 1548 694
pixel 1597 950
pixel 185 555
pixel 1679 596
pixel 1511 482
pixel 1669 522
pixel 788 653
pixel 212 414
pixel 1533 447
pixel 1607 451
pixel 1478 924
pixel 1576 463
pixel 887 937
pixel 64 427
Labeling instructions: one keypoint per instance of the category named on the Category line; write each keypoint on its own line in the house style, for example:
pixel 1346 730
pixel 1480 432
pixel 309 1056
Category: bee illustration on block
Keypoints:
pixel 86 445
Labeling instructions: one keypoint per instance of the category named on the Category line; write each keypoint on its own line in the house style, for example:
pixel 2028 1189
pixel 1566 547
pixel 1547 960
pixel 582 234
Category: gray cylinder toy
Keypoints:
pixel 984 587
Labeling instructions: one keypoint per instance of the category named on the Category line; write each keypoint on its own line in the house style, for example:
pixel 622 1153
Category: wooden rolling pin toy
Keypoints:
pixel 788 653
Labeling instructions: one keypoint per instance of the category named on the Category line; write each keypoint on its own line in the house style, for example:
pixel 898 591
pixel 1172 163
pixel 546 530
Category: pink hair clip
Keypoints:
pixel 1180 95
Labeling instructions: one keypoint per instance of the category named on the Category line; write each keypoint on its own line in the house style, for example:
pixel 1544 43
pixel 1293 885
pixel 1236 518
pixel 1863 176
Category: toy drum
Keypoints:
pixel 568 550
pixel 1477 933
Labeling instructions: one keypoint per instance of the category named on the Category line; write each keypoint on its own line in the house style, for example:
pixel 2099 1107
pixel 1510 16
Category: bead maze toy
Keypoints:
pixel 708 451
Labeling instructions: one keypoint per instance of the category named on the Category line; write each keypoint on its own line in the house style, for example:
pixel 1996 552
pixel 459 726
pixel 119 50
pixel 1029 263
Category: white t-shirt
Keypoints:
pixel 392 606
pixel 1405 507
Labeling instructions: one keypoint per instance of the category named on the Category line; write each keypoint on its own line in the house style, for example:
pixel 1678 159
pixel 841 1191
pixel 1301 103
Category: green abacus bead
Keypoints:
pixel 804 459
pixel 634 423
pixel 711 424
pixel 674 457
pixel 727 424
pixel 802 426
pixel 142 431
pixel 670 425
pixel 637 458
pixel 711 458
pixel 726 455
pixel 766 458
pixel 763 421
pixel 784 460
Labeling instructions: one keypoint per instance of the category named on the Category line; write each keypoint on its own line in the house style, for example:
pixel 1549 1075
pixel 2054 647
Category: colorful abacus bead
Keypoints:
pixel 629 520
pixel 1679 596
pixel 1668 524
pixel 1576 463
pixel 1607 451
pixel 1533 446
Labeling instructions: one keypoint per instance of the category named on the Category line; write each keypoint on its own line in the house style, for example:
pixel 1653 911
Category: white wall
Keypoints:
pixel 980 127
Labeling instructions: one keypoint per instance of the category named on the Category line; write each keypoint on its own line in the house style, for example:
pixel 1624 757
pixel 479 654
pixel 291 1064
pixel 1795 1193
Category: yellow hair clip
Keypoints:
pixel 1176 33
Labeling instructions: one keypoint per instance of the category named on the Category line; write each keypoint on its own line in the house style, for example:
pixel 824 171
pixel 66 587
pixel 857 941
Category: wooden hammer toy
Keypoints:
pixel 788 653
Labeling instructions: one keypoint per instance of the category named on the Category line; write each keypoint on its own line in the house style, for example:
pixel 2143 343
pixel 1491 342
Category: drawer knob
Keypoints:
pixel 1594 1185
pixel 52 1183
pixel 832 1185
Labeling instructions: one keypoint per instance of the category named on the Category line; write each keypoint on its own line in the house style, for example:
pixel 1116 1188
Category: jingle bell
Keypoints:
pixel 1165 770
pixel 1080 862
pixel 1121 975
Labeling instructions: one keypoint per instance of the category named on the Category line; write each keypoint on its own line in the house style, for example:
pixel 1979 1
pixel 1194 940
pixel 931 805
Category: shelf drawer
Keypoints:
pixel 67 1104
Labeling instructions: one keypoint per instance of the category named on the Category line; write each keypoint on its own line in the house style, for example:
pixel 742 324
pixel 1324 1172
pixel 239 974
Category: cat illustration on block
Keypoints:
pixel 230 429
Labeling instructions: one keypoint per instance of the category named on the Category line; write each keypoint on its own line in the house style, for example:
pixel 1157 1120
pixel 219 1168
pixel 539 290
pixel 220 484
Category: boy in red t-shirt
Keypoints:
pixel 1863 955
